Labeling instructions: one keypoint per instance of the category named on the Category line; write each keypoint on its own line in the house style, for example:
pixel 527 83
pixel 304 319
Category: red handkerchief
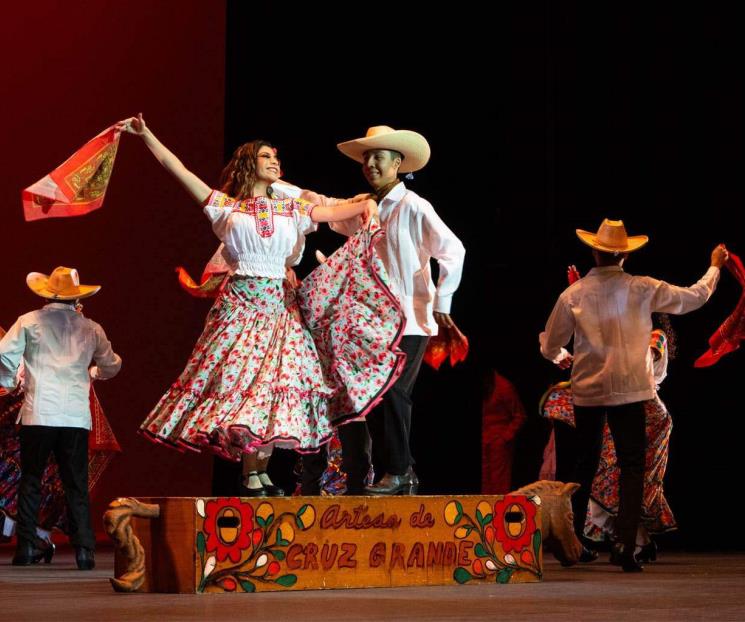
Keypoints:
pixel 102 436
pixel 728 336
pixel 78 185
pixel 208 287
pixel 214 277
pixel 448 343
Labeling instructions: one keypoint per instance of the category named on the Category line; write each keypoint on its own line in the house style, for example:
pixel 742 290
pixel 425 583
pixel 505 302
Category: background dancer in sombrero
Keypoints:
pixel 608 313
pixel 256 378
pixel 56 345
pixel 102 445
pixel 656 515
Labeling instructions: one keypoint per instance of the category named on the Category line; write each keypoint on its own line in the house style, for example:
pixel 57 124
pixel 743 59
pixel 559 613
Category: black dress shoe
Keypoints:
pixel 394 485
pixel 85 558
pixel 271 489
pixel 629 564
pixel 627 561
pixel 647 554
pixel 413 479
pixel 28 553
pixel 253 492
pixel 49 549
pixel 588 555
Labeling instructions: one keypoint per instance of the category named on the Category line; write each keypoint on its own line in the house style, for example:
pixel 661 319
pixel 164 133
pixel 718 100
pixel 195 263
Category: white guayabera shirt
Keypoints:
pixel 414 234
pixel 609 313
pixel 56 345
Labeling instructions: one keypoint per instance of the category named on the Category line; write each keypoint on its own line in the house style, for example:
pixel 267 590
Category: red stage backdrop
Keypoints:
pixel 71 69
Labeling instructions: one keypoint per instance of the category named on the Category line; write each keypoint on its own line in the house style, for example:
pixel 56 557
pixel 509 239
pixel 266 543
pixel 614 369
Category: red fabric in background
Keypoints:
pixel 502 416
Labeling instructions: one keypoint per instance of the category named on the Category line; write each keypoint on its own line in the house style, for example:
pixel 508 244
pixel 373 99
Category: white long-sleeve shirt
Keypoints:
pixel 609 314
pixel 414 235
pixel 57 345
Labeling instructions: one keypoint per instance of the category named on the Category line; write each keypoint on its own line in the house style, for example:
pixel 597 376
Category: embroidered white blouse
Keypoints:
pixel 260 234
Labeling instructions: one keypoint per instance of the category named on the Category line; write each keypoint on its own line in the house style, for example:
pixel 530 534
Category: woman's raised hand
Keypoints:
pixel 133 125
pixel 193 185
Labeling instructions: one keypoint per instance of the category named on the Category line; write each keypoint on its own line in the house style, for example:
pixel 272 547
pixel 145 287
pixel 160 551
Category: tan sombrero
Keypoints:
pixel 62 284
pixel 412 145
pixel 612 238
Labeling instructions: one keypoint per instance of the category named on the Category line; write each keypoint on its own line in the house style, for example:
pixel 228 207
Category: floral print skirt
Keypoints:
pixel 276 366
pixel 656 516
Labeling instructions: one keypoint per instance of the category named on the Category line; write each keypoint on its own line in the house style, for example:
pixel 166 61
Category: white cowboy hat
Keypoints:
pixel 62 284
pixel 412 145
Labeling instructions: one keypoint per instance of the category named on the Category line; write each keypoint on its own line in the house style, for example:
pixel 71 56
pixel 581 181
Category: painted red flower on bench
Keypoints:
pixel 228 524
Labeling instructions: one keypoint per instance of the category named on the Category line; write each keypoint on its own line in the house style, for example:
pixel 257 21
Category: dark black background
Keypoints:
pixel 539 122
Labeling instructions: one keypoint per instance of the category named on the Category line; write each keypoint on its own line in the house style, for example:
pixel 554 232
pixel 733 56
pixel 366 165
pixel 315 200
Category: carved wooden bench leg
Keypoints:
pixel 116 523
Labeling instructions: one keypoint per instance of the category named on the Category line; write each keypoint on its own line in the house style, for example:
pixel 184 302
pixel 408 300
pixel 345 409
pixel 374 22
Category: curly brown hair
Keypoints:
pixel 239 176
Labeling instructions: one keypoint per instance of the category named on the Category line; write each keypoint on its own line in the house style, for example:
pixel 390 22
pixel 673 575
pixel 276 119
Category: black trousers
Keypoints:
pixel 355 460
pixel 70 449
pixel 397 409
pixel 226 477
pixel 393 432
pixel 627 427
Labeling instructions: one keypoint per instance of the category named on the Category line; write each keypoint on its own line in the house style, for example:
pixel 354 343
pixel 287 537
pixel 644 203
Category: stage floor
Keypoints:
pixel 680 586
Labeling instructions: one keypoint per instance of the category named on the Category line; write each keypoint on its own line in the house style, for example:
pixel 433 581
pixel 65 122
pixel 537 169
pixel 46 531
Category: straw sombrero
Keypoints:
pixel 612 238
pixel 62 284
pixel 412 145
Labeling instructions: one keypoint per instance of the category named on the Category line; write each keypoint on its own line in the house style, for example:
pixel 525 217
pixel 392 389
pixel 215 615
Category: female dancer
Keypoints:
pixel 256 378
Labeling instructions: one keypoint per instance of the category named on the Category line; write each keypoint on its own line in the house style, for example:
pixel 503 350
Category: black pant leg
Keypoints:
pixel 355 455
pixel 71 453
pixel 355 460
pixel 313 467
pixel 589 421
pixel 567 452
pixel 628 427
pixel 37 442
pixel 226 477
pixel 397 408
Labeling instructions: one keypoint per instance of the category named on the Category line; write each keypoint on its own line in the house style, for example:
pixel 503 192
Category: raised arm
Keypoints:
pixel 679 300
pixel 344 227
pixel 193 185
pixel 367 209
